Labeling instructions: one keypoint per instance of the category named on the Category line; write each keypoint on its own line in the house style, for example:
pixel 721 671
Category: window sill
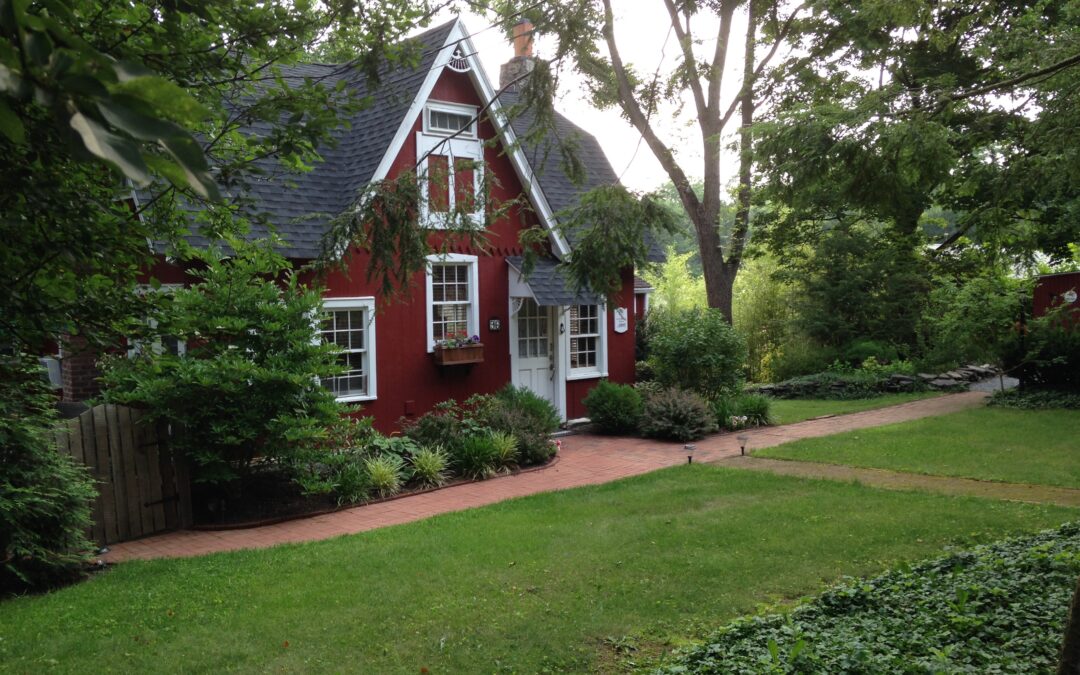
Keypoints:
pixel 355 399
pixel 586 375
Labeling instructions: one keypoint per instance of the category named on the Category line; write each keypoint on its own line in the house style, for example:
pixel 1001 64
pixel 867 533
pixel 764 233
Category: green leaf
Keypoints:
pixel 190 157
pixel 10 124
pixel 137 124
pixel 165 96
pixel 118 151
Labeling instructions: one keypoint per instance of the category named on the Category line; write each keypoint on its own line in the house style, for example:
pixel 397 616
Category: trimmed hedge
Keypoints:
pixel 614 408
pixel 997 608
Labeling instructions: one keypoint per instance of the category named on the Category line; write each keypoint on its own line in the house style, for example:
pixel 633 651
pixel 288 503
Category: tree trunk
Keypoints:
pixel 1070 646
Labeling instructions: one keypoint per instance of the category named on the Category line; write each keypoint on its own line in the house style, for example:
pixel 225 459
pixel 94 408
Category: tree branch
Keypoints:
pixel 683 35
pixel 637 117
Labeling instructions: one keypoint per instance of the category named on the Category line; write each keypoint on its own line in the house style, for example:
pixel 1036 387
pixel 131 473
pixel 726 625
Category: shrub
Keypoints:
pixel 429 465
pixel 352 482
pixel 676 414
pixel 1035 399
pixel 477 456
pixel 725 410
pixel 246 387
pixel 44 495
pixel 442 425
pixel 864 349
pixel 614 408
pixel 506 450
pixel 696 350
pixel 529 418
pixel 540 410
pixel 800 356
pixel 755 408
pixel 997 608
pixel 385 474
pixel 1047 354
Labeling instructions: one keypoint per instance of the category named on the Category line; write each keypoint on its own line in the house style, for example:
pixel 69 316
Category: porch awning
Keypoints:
pixel 549 285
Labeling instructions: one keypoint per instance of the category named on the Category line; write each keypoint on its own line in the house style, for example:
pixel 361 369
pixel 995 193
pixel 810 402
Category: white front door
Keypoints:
pixel 532 347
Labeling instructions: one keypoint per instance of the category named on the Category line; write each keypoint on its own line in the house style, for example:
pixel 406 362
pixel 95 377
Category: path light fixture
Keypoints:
pixel 689 448
pixel 743 438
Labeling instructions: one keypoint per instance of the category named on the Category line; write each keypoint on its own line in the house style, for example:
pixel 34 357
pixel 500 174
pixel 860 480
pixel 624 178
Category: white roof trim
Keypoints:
pixel 459 35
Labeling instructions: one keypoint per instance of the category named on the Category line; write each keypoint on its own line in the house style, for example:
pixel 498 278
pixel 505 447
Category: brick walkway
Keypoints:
pixel 585 460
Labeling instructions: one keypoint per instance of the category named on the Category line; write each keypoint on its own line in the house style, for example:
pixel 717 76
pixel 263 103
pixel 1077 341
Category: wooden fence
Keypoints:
pixel 143 487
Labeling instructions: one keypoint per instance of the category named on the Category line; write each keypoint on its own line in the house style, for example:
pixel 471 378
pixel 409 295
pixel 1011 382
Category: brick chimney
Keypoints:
pixel 78 368
pixel 523 61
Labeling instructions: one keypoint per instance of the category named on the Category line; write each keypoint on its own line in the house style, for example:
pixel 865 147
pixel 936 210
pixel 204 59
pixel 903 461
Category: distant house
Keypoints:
pixel 1057 290
pixel 536 332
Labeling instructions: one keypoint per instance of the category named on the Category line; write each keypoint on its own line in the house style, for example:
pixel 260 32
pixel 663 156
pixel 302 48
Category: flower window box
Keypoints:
pixel 462 355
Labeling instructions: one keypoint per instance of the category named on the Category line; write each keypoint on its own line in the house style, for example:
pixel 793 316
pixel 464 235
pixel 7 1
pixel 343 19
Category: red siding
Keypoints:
pixel 408 381
pixel 1050 289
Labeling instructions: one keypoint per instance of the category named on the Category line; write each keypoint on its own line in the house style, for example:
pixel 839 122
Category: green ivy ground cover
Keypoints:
pixel 530 585
pixel 1016 446
pixel 998 608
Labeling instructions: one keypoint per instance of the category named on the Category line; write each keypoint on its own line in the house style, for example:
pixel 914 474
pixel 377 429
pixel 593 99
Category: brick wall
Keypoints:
pixel 79 370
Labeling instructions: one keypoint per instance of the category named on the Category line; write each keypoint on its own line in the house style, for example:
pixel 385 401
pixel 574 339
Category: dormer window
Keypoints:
pixel 450 165
pixel 450 120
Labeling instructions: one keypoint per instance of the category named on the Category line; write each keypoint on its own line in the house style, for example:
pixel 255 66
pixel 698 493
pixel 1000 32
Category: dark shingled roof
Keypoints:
pixel 549 284
pixel 297 206
pixel 561 192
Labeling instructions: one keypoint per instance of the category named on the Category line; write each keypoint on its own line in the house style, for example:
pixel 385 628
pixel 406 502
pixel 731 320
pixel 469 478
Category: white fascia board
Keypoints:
pixel 459 35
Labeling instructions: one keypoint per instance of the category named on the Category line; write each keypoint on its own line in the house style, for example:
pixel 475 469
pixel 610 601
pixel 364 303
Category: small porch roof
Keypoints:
pixel 549 285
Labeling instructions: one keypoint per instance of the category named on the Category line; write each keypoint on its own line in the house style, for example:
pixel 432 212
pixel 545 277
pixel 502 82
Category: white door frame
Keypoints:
pixel 558 376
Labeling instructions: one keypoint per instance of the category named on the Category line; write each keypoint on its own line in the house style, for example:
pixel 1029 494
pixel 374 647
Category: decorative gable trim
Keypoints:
pixel 458 51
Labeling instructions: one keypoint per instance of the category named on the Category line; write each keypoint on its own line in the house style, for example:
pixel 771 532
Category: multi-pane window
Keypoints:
pixel 584 336
pixel 450 122
pixel 451 300
pixel 532 330
pixel 348 328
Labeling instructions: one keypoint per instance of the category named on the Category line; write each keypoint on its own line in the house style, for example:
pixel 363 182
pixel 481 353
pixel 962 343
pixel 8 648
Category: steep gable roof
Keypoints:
pixel 298 205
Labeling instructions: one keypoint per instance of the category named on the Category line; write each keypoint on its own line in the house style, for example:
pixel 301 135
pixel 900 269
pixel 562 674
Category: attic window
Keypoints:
pixel 458 61
pixel 451 120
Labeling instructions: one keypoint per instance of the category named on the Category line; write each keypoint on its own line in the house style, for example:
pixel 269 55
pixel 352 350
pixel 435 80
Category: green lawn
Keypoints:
pixel 1018 446
pixel 789 411
pixel 531 584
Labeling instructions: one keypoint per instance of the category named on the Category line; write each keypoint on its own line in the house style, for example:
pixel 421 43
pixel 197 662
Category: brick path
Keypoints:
pixel 585 460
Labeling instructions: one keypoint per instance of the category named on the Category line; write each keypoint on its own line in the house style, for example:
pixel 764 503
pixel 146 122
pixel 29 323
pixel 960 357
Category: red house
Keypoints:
pixel 446 119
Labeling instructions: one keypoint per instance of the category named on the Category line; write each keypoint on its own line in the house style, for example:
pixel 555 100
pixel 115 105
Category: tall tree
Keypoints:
pixel 587 41
pixel 891 109
pixel 96 96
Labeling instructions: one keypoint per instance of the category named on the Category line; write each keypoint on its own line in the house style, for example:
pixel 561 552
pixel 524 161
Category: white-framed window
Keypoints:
pixel 163 344
pixel 586 349
pixel 450 119
pixel 450 171
pixel 349 323
pixel 453 292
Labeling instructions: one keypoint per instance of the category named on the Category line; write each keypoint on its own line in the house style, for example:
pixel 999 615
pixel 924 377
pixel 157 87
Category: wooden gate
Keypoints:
pixel 142 486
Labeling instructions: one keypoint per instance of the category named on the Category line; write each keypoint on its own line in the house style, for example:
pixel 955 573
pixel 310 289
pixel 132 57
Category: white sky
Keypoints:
pixel 640 29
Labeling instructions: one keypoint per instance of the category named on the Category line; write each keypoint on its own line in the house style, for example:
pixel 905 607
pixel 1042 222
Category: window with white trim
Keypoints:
pixel 162 344
pixel 585 343
pixel 452 297
pixel 349 323
pixel 450 165
pixel 449 123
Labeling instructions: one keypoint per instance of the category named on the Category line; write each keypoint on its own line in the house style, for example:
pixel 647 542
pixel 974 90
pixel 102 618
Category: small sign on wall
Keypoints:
pixel 622 323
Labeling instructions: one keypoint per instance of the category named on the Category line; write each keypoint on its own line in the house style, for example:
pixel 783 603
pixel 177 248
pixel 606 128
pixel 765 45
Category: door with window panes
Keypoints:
pixel 532 345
